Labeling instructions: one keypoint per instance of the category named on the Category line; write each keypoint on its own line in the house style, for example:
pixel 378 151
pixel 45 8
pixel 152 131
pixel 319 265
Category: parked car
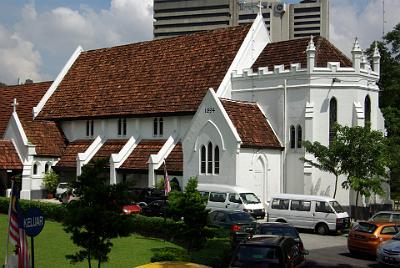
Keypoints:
pixel 158 208
pixel 146 195
pixel 132 208
pixel 227 197
pixel 365 237
pixel 388 252
pixel 62 187
pixel 319 213
pixel 386 216
pixel 241 224
pixel 279 229
pixel 268 251
pixel 68 196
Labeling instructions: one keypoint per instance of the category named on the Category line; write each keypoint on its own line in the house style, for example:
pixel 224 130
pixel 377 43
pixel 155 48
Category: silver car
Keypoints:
pixel 388 253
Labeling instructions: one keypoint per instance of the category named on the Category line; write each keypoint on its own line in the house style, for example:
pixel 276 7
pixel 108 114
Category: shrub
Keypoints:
pixel 50 181
pixel 170 254
pixel 50 211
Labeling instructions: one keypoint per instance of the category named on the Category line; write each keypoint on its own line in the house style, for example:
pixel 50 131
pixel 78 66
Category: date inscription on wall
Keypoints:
pixel 209 110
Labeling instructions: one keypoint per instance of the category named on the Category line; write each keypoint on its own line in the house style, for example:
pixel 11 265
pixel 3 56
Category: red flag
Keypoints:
pixel 17 231
pixel 167 185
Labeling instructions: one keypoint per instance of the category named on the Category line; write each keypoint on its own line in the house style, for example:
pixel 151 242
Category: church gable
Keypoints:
pixel 156 77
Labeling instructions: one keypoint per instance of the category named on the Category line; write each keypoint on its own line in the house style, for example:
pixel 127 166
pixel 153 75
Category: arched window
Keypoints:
pixel 46 168
pixel 216 160
pixel 367 110
pixel 35 167
pixel 332 119
pixel 203 159
pixel 292 137
pixel 299 136
pixel 209 158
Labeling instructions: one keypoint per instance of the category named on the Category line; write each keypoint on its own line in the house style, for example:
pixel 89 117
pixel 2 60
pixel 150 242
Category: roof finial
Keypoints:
pixel 356 45
pixel 376 51
pixel 14 105
pixel 311 44
pixel 260 6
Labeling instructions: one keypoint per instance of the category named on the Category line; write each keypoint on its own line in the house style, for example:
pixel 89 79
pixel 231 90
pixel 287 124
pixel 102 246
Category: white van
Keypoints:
pixel 226 197
pixel 319 213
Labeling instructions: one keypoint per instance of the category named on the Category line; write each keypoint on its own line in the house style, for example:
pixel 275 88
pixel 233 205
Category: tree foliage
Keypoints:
pixel 50 181
pixel 389 84
pixel 190 206
pixel 326 158
pixel 96 216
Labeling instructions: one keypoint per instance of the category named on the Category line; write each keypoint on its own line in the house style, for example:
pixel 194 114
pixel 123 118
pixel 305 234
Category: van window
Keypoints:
pixel 234 198
pixel 336 206
pixel 249 198
pixel 280 204
pixel 300 205
pixel 322 207
pixel 217 197
pixel 204 194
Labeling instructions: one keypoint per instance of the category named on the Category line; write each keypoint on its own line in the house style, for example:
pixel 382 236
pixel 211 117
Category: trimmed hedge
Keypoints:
pixel 50 211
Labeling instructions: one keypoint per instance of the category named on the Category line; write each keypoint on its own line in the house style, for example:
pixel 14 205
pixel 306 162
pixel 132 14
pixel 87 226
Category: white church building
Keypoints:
pixel 227 106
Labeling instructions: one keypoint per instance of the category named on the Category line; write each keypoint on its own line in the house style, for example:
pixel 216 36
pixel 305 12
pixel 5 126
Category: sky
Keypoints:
pixel 37 37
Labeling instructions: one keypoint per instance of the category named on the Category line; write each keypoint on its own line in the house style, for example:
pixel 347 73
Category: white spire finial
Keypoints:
pixel 356 45
pixel 311 44
pixel 14 105
pixel 376 51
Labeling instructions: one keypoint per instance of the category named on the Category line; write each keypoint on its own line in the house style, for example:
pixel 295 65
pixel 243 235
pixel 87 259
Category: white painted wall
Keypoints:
pixel 138 127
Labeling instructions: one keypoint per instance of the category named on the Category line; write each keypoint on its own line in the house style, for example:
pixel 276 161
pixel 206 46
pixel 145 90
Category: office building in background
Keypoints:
pixel 284 21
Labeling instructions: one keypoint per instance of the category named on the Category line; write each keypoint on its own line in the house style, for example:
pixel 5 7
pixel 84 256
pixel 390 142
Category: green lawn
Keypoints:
pixel 52 244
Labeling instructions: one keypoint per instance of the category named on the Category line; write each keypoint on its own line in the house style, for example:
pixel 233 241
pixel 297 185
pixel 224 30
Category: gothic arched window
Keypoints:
pixel 292 137
pixel 367 110
pixel 35 169
pixel 216 160
pixel 299 136
pixel 209 158
pixel 203 159
pixel 332 119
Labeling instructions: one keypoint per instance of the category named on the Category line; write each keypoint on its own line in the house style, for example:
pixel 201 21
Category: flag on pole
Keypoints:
pixel 167 185
pixel 16 231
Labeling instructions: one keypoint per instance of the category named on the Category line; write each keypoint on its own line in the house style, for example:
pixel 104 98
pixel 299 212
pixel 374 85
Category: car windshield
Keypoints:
pixel 240 216
pixel 336 206
pixel 255 253
pixel 365 227
pixel 277 230
pixel 63 186
pixel 249 198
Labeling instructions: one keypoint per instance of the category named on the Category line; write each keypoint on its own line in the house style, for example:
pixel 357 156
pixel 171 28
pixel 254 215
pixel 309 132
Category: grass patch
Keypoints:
pixel 52 244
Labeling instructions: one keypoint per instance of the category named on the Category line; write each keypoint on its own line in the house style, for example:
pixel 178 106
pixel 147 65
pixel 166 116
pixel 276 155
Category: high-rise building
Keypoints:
pixel 284 21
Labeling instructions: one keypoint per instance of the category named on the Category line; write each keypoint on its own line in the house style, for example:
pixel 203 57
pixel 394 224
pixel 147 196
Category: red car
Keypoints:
pixel 131 209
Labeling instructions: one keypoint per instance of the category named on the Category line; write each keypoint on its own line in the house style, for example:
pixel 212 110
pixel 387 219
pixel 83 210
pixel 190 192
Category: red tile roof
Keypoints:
pixel 294 51
pixel 9 158
pixel 140 155
pixel 251 124
pixel 174 161
pixel 48 139
pixel 68 159
pixel 108 148
pixel 163 76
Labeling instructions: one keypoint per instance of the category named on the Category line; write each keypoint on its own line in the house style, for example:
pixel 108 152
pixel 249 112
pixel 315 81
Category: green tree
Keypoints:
pixel 50 181
pixel 327 158
pixel 364 158
pixel 389 102
pixel 191 206
pixel 96 216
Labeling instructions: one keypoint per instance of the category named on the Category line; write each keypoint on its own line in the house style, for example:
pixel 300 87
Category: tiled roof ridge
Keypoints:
pixel 23 85
pixel 321 40
pixel 239 101
pixel 191 35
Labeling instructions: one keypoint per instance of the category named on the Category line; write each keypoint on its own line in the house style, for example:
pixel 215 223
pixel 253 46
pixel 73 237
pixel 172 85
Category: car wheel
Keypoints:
pixel 321 229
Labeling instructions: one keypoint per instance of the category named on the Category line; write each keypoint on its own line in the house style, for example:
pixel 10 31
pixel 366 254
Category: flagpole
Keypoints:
pixel 9 222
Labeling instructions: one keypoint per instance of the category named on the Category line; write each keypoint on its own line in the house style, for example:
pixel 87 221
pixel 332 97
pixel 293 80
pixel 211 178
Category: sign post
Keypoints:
pixel 33 225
